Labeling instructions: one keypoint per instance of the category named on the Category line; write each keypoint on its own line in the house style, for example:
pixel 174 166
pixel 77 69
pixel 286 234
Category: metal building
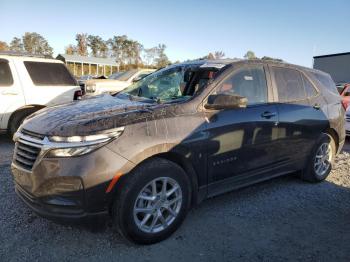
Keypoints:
pixel 85 65
pixel 337 65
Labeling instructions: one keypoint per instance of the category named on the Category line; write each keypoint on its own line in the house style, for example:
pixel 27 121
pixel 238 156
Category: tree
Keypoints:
pixel 118 45
pixel 126 51
pixel 250 55
pixel 162 59
pixel 98 46
pixel 271 59
pixel 82 44
pixel 3 46
pixel 150 55
pixel 70 50
pixel 219 54
pixel 104 50
pixel 34 43
pixel 210 56
pixel 16 44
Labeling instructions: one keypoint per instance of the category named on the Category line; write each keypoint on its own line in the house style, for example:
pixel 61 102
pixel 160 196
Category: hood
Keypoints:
pixel 88 116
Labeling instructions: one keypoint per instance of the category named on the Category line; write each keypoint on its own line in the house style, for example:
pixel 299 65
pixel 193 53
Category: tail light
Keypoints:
pixel 77 95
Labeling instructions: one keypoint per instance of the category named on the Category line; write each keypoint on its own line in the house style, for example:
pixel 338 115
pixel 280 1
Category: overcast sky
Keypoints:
pixel 293 30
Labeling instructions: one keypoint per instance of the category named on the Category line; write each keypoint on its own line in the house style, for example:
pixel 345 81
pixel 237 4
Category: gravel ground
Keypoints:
pixel 284 219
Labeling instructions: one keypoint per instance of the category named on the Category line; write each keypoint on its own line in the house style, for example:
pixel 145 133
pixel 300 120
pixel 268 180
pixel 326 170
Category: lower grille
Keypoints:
pixel 348 132
pixel 25 154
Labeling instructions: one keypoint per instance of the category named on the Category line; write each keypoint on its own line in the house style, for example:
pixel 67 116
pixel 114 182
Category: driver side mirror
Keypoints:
pixel 226 101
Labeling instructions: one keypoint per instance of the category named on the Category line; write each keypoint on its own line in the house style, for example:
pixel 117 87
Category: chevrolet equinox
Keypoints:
pixel 182 134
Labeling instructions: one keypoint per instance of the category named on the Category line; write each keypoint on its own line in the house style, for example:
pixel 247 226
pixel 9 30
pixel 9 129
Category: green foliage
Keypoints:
pixel 16 44
pixel 250 55
pixel 125 50
pixel 162 59
pixel 34 43
pixel 271 59
pixel 98 46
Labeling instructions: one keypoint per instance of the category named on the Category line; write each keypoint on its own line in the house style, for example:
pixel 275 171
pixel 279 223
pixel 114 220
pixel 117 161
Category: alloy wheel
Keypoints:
pixel 157 205
pixel 323 159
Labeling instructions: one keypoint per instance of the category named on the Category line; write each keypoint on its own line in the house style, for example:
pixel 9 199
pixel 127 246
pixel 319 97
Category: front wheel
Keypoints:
pixel 152 202
pixel 321 161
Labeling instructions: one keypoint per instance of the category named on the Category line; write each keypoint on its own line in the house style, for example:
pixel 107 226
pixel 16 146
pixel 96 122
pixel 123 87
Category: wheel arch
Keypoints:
pixel 174 157
pixel 333 133
pixel 33 108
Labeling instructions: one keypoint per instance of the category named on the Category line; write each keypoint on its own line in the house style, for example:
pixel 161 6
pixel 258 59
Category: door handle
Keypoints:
pixel 317 106
pixel 13 93
pixel 268 114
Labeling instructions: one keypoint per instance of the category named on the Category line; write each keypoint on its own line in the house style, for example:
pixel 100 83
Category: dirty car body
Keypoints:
pixel 68 159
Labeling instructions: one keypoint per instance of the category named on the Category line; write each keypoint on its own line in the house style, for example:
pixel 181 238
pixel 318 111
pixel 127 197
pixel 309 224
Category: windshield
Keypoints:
pixel 165 84
pixel 123 76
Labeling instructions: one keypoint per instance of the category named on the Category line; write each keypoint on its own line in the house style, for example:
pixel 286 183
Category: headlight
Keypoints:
pixel 74 151
pixel 80 145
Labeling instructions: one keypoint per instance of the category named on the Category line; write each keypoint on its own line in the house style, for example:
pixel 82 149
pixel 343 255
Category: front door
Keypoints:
pixel 242 141
pixel 11 95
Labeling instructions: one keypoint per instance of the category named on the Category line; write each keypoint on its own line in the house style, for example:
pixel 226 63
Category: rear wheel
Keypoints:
pixel 320 164
pixel 152 202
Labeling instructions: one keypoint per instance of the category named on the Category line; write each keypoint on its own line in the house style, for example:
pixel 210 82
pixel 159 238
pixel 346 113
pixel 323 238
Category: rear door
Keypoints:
pixel 242 141
pixel 301 117
pixel 11 95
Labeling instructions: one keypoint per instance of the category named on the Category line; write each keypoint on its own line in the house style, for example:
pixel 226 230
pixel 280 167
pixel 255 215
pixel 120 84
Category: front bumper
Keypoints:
pixel 62 210
pixel 69 188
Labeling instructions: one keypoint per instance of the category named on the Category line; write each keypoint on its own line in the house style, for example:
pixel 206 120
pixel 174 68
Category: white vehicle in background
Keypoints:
pixel 347 121
pixel 116 82
pixel 29 83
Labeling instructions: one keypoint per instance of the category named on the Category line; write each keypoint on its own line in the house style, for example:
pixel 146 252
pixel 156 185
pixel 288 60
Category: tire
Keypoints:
pixel 312 172
pixel 17 119
pixel 127 201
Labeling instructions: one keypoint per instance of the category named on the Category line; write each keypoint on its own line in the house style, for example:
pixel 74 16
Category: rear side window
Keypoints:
pixel 327 82
pixel 289 84
pixel 309 88
pixel 5 73
pixel 49 74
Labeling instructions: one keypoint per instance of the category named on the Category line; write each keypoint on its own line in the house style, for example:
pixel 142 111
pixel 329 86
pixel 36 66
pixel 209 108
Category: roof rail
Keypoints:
pixel 16 53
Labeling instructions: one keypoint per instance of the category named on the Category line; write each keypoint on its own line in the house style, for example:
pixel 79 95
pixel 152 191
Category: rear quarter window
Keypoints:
pixel 327 82
pixel 49 74
pixel 5 73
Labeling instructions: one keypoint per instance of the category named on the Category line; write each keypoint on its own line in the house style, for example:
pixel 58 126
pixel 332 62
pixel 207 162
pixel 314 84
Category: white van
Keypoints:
pixel 28 84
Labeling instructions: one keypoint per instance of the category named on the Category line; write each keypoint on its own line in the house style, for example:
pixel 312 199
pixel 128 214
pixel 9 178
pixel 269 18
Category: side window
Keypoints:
pixel 49 74
pixel 247 82
pixel 5 73
pixel 289 84
pixel 327 82
pixel 309 88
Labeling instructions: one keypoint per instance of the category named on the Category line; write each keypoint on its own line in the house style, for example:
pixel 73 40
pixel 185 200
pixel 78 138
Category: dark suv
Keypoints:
pixel 180 135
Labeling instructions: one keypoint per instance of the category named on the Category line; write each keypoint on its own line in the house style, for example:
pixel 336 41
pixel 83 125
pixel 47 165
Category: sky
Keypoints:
pixel 293 30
